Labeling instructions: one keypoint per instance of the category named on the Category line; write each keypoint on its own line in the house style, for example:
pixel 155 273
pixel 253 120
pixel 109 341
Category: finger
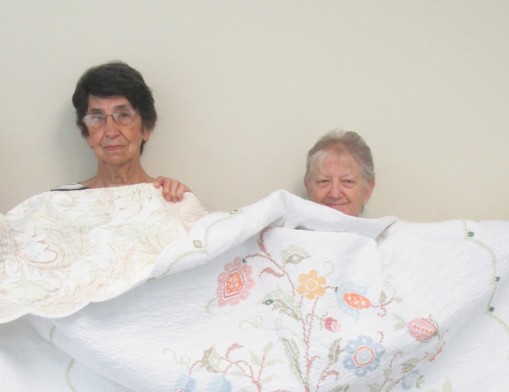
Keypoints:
pixel 158 182
pixel 167 190
pixel 177 191
pixel 180 191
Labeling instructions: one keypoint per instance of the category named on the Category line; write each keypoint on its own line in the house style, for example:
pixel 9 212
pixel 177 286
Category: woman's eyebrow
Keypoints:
pixel 115 108
pixel 123 107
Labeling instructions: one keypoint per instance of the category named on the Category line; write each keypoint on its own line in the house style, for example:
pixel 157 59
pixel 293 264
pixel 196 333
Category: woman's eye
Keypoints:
pixel 123 115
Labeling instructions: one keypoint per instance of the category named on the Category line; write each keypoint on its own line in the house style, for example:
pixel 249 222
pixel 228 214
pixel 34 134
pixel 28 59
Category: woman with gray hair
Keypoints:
pixel 340 172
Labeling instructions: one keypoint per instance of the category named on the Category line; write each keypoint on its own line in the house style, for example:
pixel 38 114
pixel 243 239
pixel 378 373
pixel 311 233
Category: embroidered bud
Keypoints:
pixel 331 324
pixel 422 329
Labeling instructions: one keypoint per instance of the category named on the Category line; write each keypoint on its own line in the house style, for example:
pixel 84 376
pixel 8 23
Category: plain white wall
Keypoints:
pixel 244 88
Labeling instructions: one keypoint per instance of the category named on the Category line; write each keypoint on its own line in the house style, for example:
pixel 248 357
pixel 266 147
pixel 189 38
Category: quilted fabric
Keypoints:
pixel 281 295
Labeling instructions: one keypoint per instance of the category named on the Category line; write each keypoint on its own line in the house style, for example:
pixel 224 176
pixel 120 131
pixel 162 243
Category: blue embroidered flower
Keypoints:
pixel 219 385
pixel 363 355
pixel 185 383
pixel 410 380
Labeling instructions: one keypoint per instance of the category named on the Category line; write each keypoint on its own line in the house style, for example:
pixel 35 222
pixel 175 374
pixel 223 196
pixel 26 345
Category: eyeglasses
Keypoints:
pixel 98 120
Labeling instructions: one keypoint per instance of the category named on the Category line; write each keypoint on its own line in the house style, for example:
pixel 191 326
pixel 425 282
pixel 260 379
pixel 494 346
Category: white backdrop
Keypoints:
pixel 244 88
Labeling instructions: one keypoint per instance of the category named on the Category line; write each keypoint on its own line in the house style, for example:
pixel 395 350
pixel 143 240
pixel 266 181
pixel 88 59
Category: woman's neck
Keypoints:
pixel 109 177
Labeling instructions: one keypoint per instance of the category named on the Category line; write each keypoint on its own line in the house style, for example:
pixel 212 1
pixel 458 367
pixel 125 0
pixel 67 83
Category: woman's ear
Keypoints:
pixel 146 133
pixel 371 186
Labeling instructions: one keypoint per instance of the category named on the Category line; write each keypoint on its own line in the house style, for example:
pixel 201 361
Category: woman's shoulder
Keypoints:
pixel 70 187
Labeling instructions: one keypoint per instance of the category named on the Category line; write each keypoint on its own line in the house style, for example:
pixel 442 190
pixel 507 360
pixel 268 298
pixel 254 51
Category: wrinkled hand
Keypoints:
pixel 173 190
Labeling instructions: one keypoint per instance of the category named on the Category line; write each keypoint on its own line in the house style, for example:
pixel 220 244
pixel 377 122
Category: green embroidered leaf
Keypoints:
pixel 340 388
pixel 374 387
pixel 409 365
pixel 254 359
pixel 447 386
pixel 291 347
pixel 267 379
pixel 382 298
pixel 401 323
pixel 293 352
pixel 211 360
pixel 334 351
pixel 283 307
pixel 267 348
pixel 294 255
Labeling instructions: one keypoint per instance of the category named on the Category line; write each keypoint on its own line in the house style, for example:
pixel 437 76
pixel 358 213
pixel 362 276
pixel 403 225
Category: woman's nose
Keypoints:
pixel 336 190
pixel 110 126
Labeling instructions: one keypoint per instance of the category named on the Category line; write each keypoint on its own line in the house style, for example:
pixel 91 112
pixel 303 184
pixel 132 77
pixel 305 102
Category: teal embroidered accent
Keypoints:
pixel 494 264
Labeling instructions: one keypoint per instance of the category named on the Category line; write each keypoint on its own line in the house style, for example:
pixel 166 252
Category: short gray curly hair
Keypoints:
pixel 354 144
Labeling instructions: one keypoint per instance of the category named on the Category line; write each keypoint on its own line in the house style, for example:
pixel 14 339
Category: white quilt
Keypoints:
pixel 109 290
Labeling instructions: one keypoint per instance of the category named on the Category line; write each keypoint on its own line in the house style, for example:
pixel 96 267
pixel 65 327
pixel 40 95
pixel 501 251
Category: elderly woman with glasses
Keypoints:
pixel 340 172
pixel 116 114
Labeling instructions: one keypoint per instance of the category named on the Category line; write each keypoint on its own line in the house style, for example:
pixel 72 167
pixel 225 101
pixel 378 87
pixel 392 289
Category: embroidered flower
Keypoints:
pixel 234 283
pixel 410 380
pixel 220 384
pixel 363 355
pixel 422 329
pixel 356 301
pixel 311 285
pixel 351 299
pixel 331 324
pixel 185 383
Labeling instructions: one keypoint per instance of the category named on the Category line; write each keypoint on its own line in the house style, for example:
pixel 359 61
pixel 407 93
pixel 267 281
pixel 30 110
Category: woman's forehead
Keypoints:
pixel 95 102
pixel 338 160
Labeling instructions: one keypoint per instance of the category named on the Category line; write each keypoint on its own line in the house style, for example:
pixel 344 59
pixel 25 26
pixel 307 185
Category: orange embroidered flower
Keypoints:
pixel 311 285
pixel 356 301
pixel 351 298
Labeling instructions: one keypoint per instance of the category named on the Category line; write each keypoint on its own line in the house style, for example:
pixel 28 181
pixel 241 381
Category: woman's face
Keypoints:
pixel 115 144
pixel 337 182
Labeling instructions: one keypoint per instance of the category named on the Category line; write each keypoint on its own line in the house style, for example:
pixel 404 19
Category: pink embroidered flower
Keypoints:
pixel 311 285
pixel 422 329
pixel 234 283
pixel 332 324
